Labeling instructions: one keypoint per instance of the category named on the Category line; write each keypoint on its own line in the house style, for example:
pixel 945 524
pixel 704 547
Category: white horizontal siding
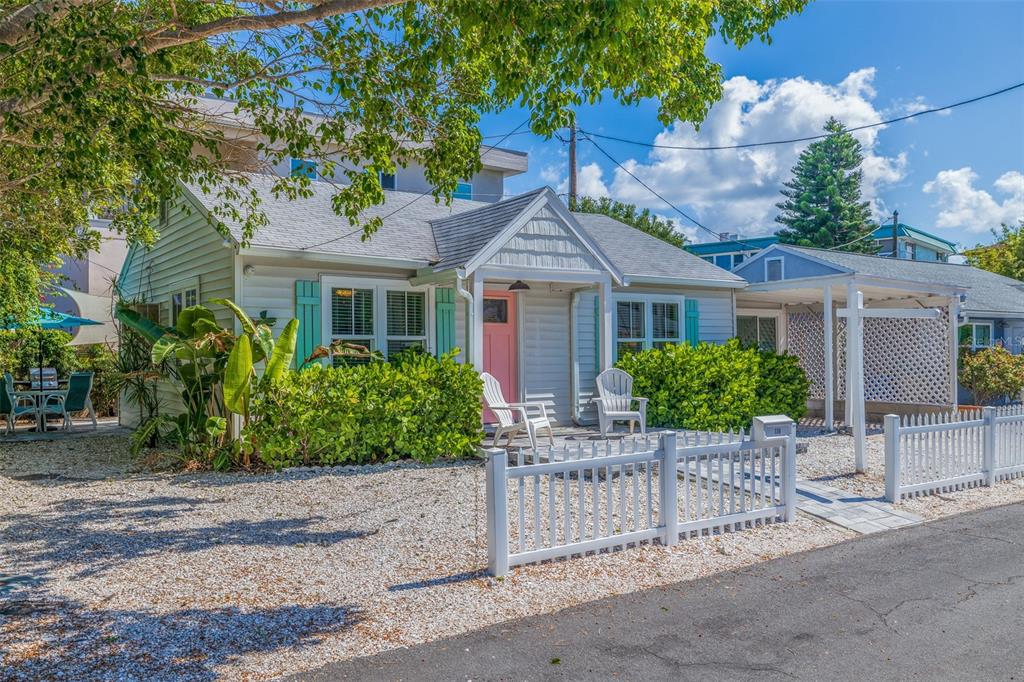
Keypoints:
pixel 188 248
pixel 545 353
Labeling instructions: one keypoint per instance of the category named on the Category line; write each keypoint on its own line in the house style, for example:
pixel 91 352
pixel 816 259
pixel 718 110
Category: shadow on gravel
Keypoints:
pixel 101 534
pixel 44 638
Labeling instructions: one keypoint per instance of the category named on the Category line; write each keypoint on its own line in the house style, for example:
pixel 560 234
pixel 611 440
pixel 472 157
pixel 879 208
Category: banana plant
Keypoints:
pixel 214 369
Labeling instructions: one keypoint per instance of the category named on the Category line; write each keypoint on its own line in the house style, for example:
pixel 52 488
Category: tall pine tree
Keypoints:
pixel 823 206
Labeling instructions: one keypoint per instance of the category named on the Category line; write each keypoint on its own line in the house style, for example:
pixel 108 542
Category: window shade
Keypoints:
pixel 665 318
pixel 352 312
pixel 406 313
pixel 630 319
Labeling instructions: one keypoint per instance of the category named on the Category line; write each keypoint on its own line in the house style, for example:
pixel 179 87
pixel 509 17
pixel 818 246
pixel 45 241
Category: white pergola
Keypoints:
pixel 854 298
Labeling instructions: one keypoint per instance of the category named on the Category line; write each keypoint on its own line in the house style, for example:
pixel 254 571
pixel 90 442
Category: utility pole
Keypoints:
pixel 572 165
pixel 895 233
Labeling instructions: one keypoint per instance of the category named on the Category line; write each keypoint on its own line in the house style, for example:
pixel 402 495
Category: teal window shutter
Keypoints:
pixel 307 312
pixel 444 319
pixel 692 321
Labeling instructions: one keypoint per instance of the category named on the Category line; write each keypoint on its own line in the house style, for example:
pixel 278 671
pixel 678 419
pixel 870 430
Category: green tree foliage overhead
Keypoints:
pixel 99 112
pixel 1004 257
pixel 644 220
pixel 823 206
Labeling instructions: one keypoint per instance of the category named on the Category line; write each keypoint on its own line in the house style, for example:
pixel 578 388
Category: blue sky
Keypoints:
pixel 957 174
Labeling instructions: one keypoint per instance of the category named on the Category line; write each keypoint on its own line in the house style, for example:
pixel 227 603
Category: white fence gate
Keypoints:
pixel 931 453
pixel 594 496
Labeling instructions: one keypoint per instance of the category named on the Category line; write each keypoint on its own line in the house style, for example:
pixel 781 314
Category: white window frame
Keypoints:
pixel 781 331
pixel 648 340
pixel 380 287
pixel 974 334
pixel 182 288
pixel 782 268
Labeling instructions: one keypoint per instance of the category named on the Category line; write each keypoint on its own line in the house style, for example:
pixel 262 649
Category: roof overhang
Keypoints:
pixel 685 282
pixel 340 258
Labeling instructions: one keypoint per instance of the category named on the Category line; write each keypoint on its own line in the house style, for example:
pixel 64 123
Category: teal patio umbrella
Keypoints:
pixel 47 318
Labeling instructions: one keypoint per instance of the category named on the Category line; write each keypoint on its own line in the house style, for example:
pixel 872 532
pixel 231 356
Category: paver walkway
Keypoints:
pixel 850 510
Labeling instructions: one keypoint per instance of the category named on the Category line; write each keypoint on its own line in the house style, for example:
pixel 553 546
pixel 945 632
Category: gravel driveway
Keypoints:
pixel 202 576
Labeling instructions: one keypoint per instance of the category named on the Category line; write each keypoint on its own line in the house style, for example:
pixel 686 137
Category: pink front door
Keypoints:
pixel 501 354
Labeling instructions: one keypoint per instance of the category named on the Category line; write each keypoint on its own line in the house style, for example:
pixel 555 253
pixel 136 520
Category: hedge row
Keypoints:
pixel 716 386
pixel 413 407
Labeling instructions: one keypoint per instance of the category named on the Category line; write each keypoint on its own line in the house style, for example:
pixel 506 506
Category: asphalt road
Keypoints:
pixel 943 600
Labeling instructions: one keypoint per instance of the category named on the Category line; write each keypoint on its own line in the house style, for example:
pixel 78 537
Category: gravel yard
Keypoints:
pixel 202 576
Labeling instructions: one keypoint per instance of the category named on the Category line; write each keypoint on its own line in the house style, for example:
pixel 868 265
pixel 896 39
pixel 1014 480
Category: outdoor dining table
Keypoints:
pixel 39 396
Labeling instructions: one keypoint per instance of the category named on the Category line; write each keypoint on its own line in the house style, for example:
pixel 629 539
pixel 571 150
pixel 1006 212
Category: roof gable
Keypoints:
pixel 796 265
pixel 475 238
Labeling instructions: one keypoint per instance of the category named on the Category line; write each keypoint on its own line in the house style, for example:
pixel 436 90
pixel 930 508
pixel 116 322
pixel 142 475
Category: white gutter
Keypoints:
pixel 460 288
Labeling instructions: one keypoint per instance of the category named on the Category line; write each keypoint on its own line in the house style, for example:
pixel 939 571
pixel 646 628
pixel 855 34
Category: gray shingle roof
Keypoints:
pixel 417 228
pixel 462 236
pixel 638 254
pixel 987 292
pixel 307 223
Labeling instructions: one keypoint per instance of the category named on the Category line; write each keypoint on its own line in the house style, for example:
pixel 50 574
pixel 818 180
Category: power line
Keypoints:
pixel 414 199
pixel 721 237
pixel 811 137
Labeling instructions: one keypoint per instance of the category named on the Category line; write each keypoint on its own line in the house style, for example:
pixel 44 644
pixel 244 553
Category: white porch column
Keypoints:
pixel 855 372
pixel 475 323
pixel 604 294
pixel 830 392
pixel 954 349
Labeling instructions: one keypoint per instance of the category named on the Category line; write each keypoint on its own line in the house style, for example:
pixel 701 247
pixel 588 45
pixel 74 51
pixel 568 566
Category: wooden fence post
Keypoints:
pixel 668 508
pixel 892 458
pixel 789 479
pixel 497 511
pixel 989 451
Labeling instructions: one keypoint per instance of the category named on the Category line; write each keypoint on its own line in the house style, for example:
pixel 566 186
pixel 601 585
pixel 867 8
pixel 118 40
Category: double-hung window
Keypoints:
pixel 643 322
pixel 383 316
pixel 976 335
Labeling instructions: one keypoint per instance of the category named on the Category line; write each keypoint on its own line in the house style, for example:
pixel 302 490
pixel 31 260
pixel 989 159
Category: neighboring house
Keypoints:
pixel 906 360
pixel 731 250
pixel 86 286
pixel 542 298
pixel 242 151
pixel 913 244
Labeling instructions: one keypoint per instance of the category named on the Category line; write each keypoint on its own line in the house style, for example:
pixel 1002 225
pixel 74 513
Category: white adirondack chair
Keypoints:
pixel 514 417
pixel 615 401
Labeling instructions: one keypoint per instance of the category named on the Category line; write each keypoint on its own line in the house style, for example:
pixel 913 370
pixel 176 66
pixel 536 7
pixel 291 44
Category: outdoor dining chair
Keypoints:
pixel 77 398
pixel 615 401
pixel 12 407
pixel 514 417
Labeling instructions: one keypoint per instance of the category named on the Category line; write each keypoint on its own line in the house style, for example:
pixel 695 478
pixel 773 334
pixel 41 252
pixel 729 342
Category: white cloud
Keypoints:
pixel 962 205
pixel 736 190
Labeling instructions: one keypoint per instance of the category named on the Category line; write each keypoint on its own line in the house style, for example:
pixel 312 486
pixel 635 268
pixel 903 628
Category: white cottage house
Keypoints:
pixel 540 297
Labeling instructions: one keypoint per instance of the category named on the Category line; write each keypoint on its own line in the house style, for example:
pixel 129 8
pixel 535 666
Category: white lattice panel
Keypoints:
pixel 806 340
pixel 905 360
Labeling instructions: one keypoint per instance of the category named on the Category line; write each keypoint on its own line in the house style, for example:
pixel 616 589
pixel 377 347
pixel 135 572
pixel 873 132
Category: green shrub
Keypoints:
pixel 414 407
pixel 715 386
pixel 19 351
pixel 991 373
pixel 783 386
pixel 99 359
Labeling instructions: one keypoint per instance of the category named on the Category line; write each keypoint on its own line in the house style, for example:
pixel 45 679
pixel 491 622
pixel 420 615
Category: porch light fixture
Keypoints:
pixel 519 285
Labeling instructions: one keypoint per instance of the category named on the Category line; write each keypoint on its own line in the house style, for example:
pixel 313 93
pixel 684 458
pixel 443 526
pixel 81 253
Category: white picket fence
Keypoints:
pixel 562 502
pixel 933 453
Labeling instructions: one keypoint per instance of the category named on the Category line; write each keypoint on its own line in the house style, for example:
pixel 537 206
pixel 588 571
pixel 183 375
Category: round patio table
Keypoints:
pixel 39 397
